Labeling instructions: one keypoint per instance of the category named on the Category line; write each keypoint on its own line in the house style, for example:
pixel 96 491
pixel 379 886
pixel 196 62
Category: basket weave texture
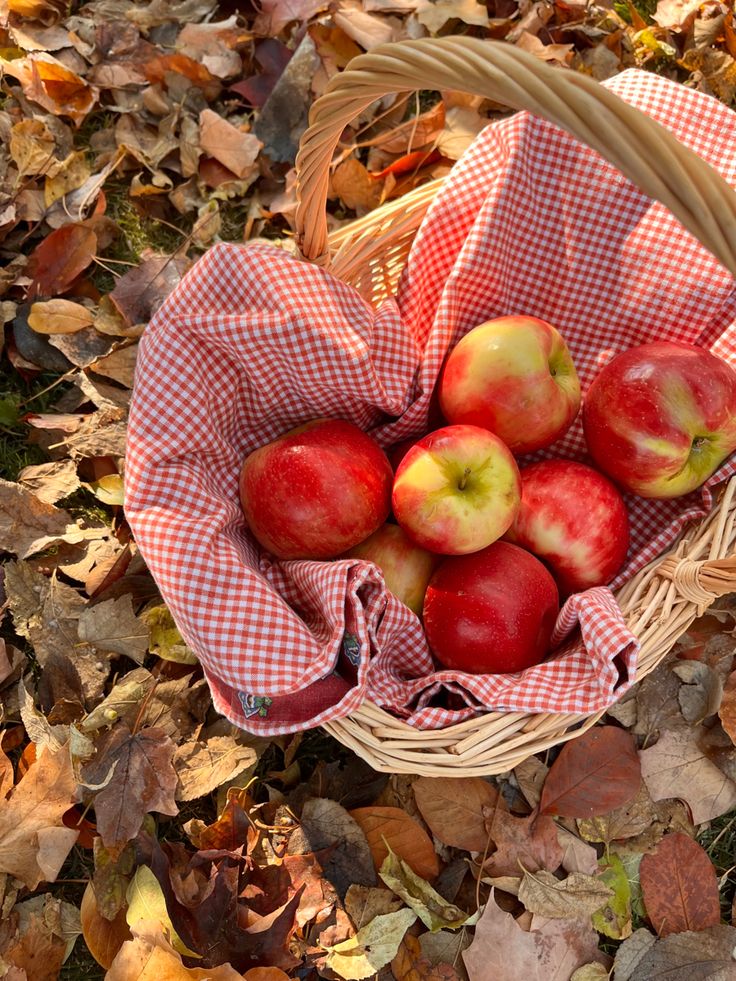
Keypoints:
pixel 531 221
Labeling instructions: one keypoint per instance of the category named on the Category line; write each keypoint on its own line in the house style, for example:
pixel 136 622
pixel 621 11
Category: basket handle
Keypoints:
pixel 643 150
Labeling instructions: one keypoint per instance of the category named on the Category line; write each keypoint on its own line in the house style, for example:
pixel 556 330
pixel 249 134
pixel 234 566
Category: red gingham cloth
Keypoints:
pixel 254 342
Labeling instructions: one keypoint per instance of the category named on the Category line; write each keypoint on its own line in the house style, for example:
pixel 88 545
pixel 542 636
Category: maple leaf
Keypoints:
pixel 136 768
pixel 33 839
pixel 529 841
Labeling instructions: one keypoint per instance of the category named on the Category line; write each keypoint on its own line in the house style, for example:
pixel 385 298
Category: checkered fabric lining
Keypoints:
pixel 254 342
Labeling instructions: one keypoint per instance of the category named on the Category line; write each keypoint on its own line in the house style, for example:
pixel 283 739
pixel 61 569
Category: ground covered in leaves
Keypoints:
pixel 134 135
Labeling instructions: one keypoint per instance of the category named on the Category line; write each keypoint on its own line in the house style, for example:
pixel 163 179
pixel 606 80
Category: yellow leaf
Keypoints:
pixel 108 489
pixel 166 641
pixel 32 147
pixel 59 317
pixel 140 960
pixel 146 901
pixel 372 947
pixel 70 174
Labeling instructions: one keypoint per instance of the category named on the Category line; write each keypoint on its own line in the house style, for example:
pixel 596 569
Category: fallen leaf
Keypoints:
pixel 630 954
pixel 707 955
pixel 680 887
pixel 676 767
pixel 49 12
pixel 143 776
pixel 32 147
pixel 36 951
pixel 28 524
pixel 108 489
pixel 431 908
pixel 59 317
pixel 355 187
pixel 446 947
pixel 204 765
pixel 390 828
pixel 593 774
pixel 657 707
pixel 53 86
pixel 434 15
pixel 113 627
pixel 531 842
pixel 60 258
pixel 727 710
pixel 145 901
pixel 166 641
pixel 103 937
pixel 502 950
pixel 234 149
pixel 591 972
pixel 700 695
pixel 675 14
pixel 140 960
pixel 365 903
pixel 118 365
pixel 560 54
pixel 410 964
pixel 34 842
pixel 326 824
pixel 374 946
pixel 578 895
pixel 627 821
pixel 577 856
pixel 213 45
pixel 453 809
pixel 142 290
pixel 50 482
pixel 614 919
pixel 265 974
pixel 274 15
pixel 113 869
pixel 462 125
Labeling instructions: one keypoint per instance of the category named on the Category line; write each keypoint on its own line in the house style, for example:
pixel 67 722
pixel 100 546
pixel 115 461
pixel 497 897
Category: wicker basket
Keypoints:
pixel 661 601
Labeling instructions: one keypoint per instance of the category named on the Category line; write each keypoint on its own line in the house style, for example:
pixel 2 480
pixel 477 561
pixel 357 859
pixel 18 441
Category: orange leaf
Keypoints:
pixel 61 91
pixel 409 162
pixel 679 886
pixel 27 759
pixel 411 965
pixel 159 67
pixel 594 774
pixel 62 256
pixel 103 937
pixel 406 838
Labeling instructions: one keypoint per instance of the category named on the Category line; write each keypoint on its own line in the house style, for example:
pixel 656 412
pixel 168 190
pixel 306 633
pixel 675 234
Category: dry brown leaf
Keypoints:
pixel 727 711
pixel 113 627
pixel 32 147
pixel 140 292
pixel 213 45
pixel 705 955
pixel 141 960
pixel 204 765
pixel 576 896
pixel 560 54
pixel 701 693
pixel 675 14
pixel 28 524
pixel 276 14
pixel 434 15
pixel 34 842
pixel 364 28
pixel 325 824
pixel 59 317
pixel 577 856
pixel 676 767
pixel 365 903
pixel 453 809
pixel 138 769
pixel 50 482
pixel 103 937
pixel 410 964
pixel 234 149
pixel 6 774
pixel 530 842
pixel 355 187
pixel 626 821
pixel 53 86
pixel 119 365
pixel 462 125
pixel 391 827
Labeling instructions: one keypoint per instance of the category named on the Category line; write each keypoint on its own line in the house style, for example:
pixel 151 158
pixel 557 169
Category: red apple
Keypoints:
pixel 406 568
pixel 316 491
pixel 515 377
pixel 492 612
pixel 457 490
pixel 574 518
pixel 660 418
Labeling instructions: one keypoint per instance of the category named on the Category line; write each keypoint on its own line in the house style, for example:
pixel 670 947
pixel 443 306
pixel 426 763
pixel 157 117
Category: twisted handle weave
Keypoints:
pixel 640 148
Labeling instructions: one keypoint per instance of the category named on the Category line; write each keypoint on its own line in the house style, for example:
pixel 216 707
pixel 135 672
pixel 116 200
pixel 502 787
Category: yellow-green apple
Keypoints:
pixel 660 418
pixel 515 377
pixel 492 612
pixel 574 519
pixel 406 568
pixel 316 491
pixel 456 490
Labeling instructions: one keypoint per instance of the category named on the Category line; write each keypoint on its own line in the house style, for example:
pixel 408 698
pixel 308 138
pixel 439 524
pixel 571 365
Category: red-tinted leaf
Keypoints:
pixel 453 809
pixel 409 162
pixel 680 886
pixel 59 259
pixel 593 774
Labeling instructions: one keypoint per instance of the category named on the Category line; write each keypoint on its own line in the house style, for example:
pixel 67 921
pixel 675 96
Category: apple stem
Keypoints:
pixel 464 478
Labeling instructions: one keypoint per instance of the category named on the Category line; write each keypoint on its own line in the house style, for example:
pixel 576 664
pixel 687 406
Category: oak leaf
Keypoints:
pixel 680 887
pixel 34 842
pixel 593 774
pixel 391 828
pixel 143 777
pixel 453 809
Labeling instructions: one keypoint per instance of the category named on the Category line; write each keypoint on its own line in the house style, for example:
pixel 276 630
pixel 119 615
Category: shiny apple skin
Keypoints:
pixel 515 377
pixel 316 491
pixel 457 490
pixel 661 417
pixel 406 568
pixel 492 612
pixel 573 518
